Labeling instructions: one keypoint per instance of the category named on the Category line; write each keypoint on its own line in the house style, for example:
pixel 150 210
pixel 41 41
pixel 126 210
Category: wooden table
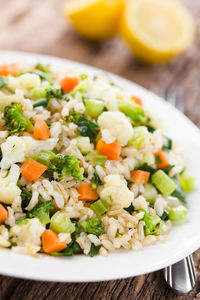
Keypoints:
pixel 37 26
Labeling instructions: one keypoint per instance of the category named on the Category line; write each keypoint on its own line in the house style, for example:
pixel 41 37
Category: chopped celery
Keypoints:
pixel 42 102
pixel 44 157
pixel 150 193
pixel 81 88
pixel 94 107
pixel 153 225
pixel 99 207
pixel 163 183
pixel 138 137
pixel 60 222
pixel 135 112
pixel 187 182
pixel 83 143
pixel 168 145
pixel 38 93
pixel 178 214
pixel 97 158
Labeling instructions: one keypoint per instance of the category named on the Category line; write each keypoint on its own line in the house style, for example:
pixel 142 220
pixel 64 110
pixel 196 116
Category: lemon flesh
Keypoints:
pixel 156 30
pixel 94 19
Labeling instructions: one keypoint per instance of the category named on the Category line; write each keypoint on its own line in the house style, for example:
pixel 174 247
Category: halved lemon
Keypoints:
pixel 94 19
pixel 156 30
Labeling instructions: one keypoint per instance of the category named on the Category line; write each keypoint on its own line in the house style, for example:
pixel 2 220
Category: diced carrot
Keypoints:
pixel 41 130
pixel 112 151
pixel 51 242
pixel 3 214
pixel 6 70
pixel 86 192
pixel 69 83
pixel 140 176
pixel 163 161
pixel 32 170
pixel 1 128
pixel 137 101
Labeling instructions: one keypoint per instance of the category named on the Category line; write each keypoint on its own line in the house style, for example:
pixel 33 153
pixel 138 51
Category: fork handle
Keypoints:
pixel 181 277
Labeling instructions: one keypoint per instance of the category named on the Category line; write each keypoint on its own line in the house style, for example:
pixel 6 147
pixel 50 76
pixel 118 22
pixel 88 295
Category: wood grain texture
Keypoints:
pixel 37 26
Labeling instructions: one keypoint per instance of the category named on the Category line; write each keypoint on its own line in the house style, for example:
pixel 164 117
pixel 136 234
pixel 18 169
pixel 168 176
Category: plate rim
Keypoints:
pixel 35 276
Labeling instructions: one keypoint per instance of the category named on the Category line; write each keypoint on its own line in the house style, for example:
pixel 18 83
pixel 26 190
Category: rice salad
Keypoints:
pixel 84 168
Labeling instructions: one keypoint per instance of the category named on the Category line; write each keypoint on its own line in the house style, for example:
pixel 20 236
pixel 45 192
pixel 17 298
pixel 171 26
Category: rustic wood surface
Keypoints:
pixel 37 26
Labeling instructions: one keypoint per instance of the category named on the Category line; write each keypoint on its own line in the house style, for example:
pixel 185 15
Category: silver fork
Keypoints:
pixel 181 277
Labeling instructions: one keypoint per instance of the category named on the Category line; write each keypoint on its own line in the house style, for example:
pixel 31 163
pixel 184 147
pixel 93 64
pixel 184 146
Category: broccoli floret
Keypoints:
pixel 65 165
pixel 52 92
pixel 43 68
pixel 93 226
pixel 153 225
pixel 42 211
pixel 86 127
pixel 62 165
pixel 15 119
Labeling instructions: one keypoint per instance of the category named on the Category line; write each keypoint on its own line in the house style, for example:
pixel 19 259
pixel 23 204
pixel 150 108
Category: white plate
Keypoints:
pixel 184 239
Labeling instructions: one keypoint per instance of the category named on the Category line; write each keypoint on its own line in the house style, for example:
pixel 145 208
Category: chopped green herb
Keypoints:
pixel 96 179
pixel 25 196
pixel 158 160
pixel 179 193
pixel 42 102
pixel 130 209
pixel 94 250
pixel 86 127
pixel 168 169
pixel 168 145
pixel 151 128
pixel 147 168
pixel 165 216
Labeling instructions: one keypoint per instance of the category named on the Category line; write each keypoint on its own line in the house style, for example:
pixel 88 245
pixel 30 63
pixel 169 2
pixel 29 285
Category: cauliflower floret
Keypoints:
pixel 102 89
pixel 28 235
pixel 7 100
pixel 25 81
pixel 8 186
pixel 118 125
pixel 117 190
pixel 16 149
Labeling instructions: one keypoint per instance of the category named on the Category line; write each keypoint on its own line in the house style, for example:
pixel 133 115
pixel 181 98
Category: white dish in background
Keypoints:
pixel 184 239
